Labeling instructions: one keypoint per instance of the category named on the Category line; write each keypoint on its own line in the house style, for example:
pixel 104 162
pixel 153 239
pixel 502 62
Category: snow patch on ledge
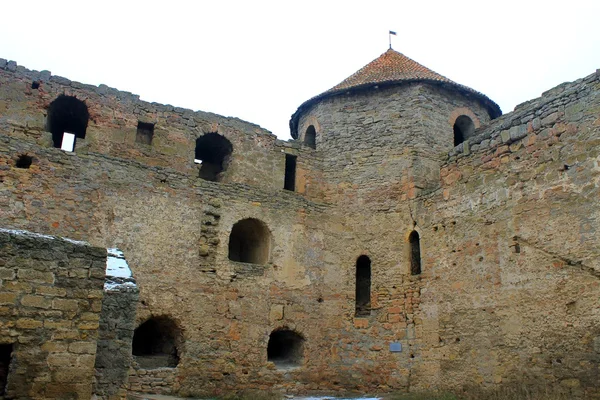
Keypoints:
pixel 42 236
pixel 118 273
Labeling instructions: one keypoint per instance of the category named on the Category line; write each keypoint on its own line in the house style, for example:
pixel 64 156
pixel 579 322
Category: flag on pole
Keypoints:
pixel 390 36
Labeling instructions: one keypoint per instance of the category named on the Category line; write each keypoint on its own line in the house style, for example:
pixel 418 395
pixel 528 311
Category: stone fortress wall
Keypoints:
pixel 51 299
pixel 509 282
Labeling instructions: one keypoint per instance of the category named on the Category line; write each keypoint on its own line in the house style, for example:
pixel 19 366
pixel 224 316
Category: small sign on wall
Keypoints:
pixel 396 347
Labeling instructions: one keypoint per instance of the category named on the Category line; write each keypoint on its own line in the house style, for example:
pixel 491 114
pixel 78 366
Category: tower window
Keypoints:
pixel 155 344
pixel 415 253
pixel 363 286
pixel 285 348
pixel 290 172
pixel 250 242
pixel 145 132
pixel 463 129
pixel 67 114
pixel 212 153
pixel 310 137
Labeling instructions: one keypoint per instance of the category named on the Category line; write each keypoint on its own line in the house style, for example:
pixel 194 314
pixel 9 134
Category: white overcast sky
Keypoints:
pixel 259 60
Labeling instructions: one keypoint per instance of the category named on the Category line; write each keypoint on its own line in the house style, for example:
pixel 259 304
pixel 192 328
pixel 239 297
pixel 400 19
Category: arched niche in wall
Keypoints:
pixel 363 286
pixel 285 348
pixel 464 122
pixel 463 129
pixel 310 137
pixel 250 242
pixel 156 343
pixel 67 120
pixel 212 153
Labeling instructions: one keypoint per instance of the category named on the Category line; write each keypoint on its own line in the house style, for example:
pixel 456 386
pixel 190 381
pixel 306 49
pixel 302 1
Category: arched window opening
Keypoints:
pixel 463 129
pixel 67 120
pixel 250 242
pixel 310 137
pixel 212 153
pixel 285 348
pixel 155 344
pixel 5 358
pixel 363 286
pixel 415 253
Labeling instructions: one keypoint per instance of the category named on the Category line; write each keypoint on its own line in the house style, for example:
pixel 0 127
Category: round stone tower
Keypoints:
pixel 386 126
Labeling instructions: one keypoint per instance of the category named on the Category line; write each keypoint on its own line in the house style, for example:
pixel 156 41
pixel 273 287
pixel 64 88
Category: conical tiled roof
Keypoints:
pixel 391 68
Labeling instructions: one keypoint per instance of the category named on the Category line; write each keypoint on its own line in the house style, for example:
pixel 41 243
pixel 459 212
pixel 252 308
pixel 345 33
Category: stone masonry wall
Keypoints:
pixel 114 116
pixel 385 139
pixel 509 257
pixel 175 230
pixel 51 298
pixel 115 335
pixel 511 236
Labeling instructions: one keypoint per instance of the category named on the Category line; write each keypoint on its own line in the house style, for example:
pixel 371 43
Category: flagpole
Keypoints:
pixel 390 37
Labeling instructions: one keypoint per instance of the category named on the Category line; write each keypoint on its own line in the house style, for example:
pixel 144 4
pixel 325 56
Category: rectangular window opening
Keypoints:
pixel 145 132
pixel 68 142
pixel 290 173
pixel 5 357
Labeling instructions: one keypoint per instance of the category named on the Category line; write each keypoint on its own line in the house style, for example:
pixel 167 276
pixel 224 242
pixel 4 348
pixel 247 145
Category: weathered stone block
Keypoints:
pixel 31 275
pixel 276 313
pixel 28 323
pixel 83 347
pixel 36 301
pixel 65 304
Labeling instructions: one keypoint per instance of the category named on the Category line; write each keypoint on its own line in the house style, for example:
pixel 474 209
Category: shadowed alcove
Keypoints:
pixel 250 242
pixel 310 137
pixel 155 343
pixel 212 152
pixel 463 129
pixel 67 114
pixel 5 357
pixel 285 348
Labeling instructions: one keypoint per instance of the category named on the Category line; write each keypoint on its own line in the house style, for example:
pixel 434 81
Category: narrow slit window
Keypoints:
pixel 363 286
pixel 415 253
pixel 290 173
pixel 145 132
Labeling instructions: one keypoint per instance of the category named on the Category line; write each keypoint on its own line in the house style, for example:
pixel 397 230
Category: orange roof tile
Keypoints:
pixel 391 68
